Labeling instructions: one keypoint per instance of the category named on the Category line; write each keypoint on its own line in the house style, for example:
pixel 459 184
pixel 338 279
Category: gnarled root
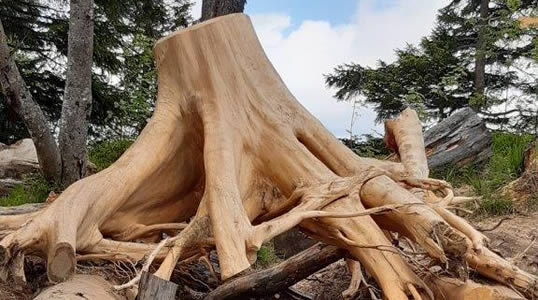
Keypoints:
pixel 354 267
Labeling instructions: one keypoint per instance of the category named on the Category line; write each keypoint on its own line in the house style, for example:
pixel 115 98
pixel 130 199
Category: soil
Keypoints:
pixel 515 239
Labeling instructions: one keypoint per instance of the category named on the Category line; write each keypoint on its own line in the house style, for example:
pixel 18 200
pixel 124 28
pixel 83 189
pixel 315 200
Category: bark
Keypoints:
pixel 154 288
pixel 215 8
pixel 77 100
pixel 481 48
pixel 230 149
pixel 458 140
pixel 19 98
pixel 277 278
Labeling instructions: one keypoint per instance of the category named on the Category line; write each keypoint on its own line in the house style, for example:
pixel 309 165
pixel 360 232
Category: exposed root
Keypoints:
pixel 196 233
pixel 477 238
pixel 354 267
pixel 145 267
pixel 494 267
pixel 143 231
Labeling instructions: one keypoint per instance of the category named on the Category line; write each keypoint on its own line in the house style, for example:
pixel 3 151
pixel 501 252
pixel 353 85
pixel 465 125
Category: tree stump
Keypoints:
pixel 230 151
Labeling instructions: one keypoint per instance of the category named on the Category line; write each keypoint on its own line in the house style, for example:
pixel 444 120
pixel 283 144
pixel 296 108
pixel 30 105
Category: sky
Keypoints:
pixel 305 39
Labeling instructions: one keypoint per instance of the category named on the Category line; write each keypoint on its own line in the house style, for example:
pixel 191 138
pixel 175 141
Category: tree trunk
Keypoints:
pixel 19 98
pixel 230 149
pixel 215 8
pixel 77 101
pixel 458 140
pixel 480 56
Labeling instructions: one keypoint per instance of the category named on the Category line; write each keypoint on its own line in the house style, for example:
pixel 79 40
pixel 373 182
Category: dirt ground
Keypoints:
pixel 516 239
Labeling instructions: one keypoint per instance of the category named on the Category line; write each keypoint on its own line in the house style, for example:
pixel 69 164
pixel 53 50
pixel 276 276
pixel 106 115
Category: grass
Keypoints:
pixel 34 189
pixel 105 153
pixel 505 165
pixel 266 256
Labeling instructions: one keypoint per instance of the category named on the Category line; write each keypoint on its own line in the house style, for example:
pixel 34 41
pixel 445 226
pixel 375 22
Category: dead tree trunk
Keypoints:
pixel 480 55
pixel 19 98
pixel 215 8
pixel 458 140
pixel 77 100
pixel 230 149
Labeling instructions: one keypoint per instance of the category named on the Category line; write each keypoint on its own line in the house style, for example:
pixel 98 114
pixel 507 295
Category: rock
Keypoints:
pixel 16 161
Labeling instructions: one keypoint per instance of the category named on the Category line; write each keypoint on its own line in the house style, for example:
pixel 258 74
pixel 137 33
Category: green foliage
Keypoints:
pixel 105 153
pixel 504 165
pixel 436 77
pixel 266 256
pixel 34 189
pixel 367 146
pixel 124 35
pixel 495 206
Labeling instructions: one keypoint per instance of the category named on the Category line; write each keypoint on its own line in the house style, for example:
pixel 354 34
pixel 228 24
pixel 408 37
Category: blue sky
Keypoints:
pixel 305 39
pixel 336 12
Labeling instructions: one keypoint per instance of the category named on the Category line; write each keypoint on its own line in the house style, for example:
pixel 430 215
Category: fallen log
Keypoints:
pixel 279 277
pixel 458 140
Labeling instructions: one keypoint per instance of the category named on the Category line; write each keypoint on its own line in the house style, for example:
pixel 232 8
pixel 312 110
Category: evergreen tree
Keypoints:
pixel 439 75
pixel 123 63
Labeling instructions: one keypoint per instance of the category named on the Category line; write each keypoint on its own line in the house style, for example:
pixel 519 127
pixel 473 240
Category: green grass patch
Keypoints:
pixel 504 165
pixel 495 206
pixel 105 153
pixel 266 256
pixel 34 189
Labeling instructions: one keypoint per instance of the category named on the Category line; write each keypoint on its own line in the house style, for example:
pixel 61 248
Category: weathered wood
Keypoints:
pixel 458 140
pixel 86 287
pixel 281 276
pixel 154 288
pixel 21 209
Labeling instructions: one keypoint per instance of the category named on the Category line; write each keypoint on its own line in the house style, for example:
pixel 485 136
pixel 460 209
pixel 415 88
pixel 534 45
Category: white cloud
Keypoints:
pixel 196 9
pixel 315 47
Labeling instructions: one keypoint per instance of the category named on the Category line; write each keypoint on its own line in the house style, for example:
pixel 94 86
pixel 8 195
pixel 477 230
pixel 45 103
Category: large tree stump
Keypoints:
pixel 230 150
